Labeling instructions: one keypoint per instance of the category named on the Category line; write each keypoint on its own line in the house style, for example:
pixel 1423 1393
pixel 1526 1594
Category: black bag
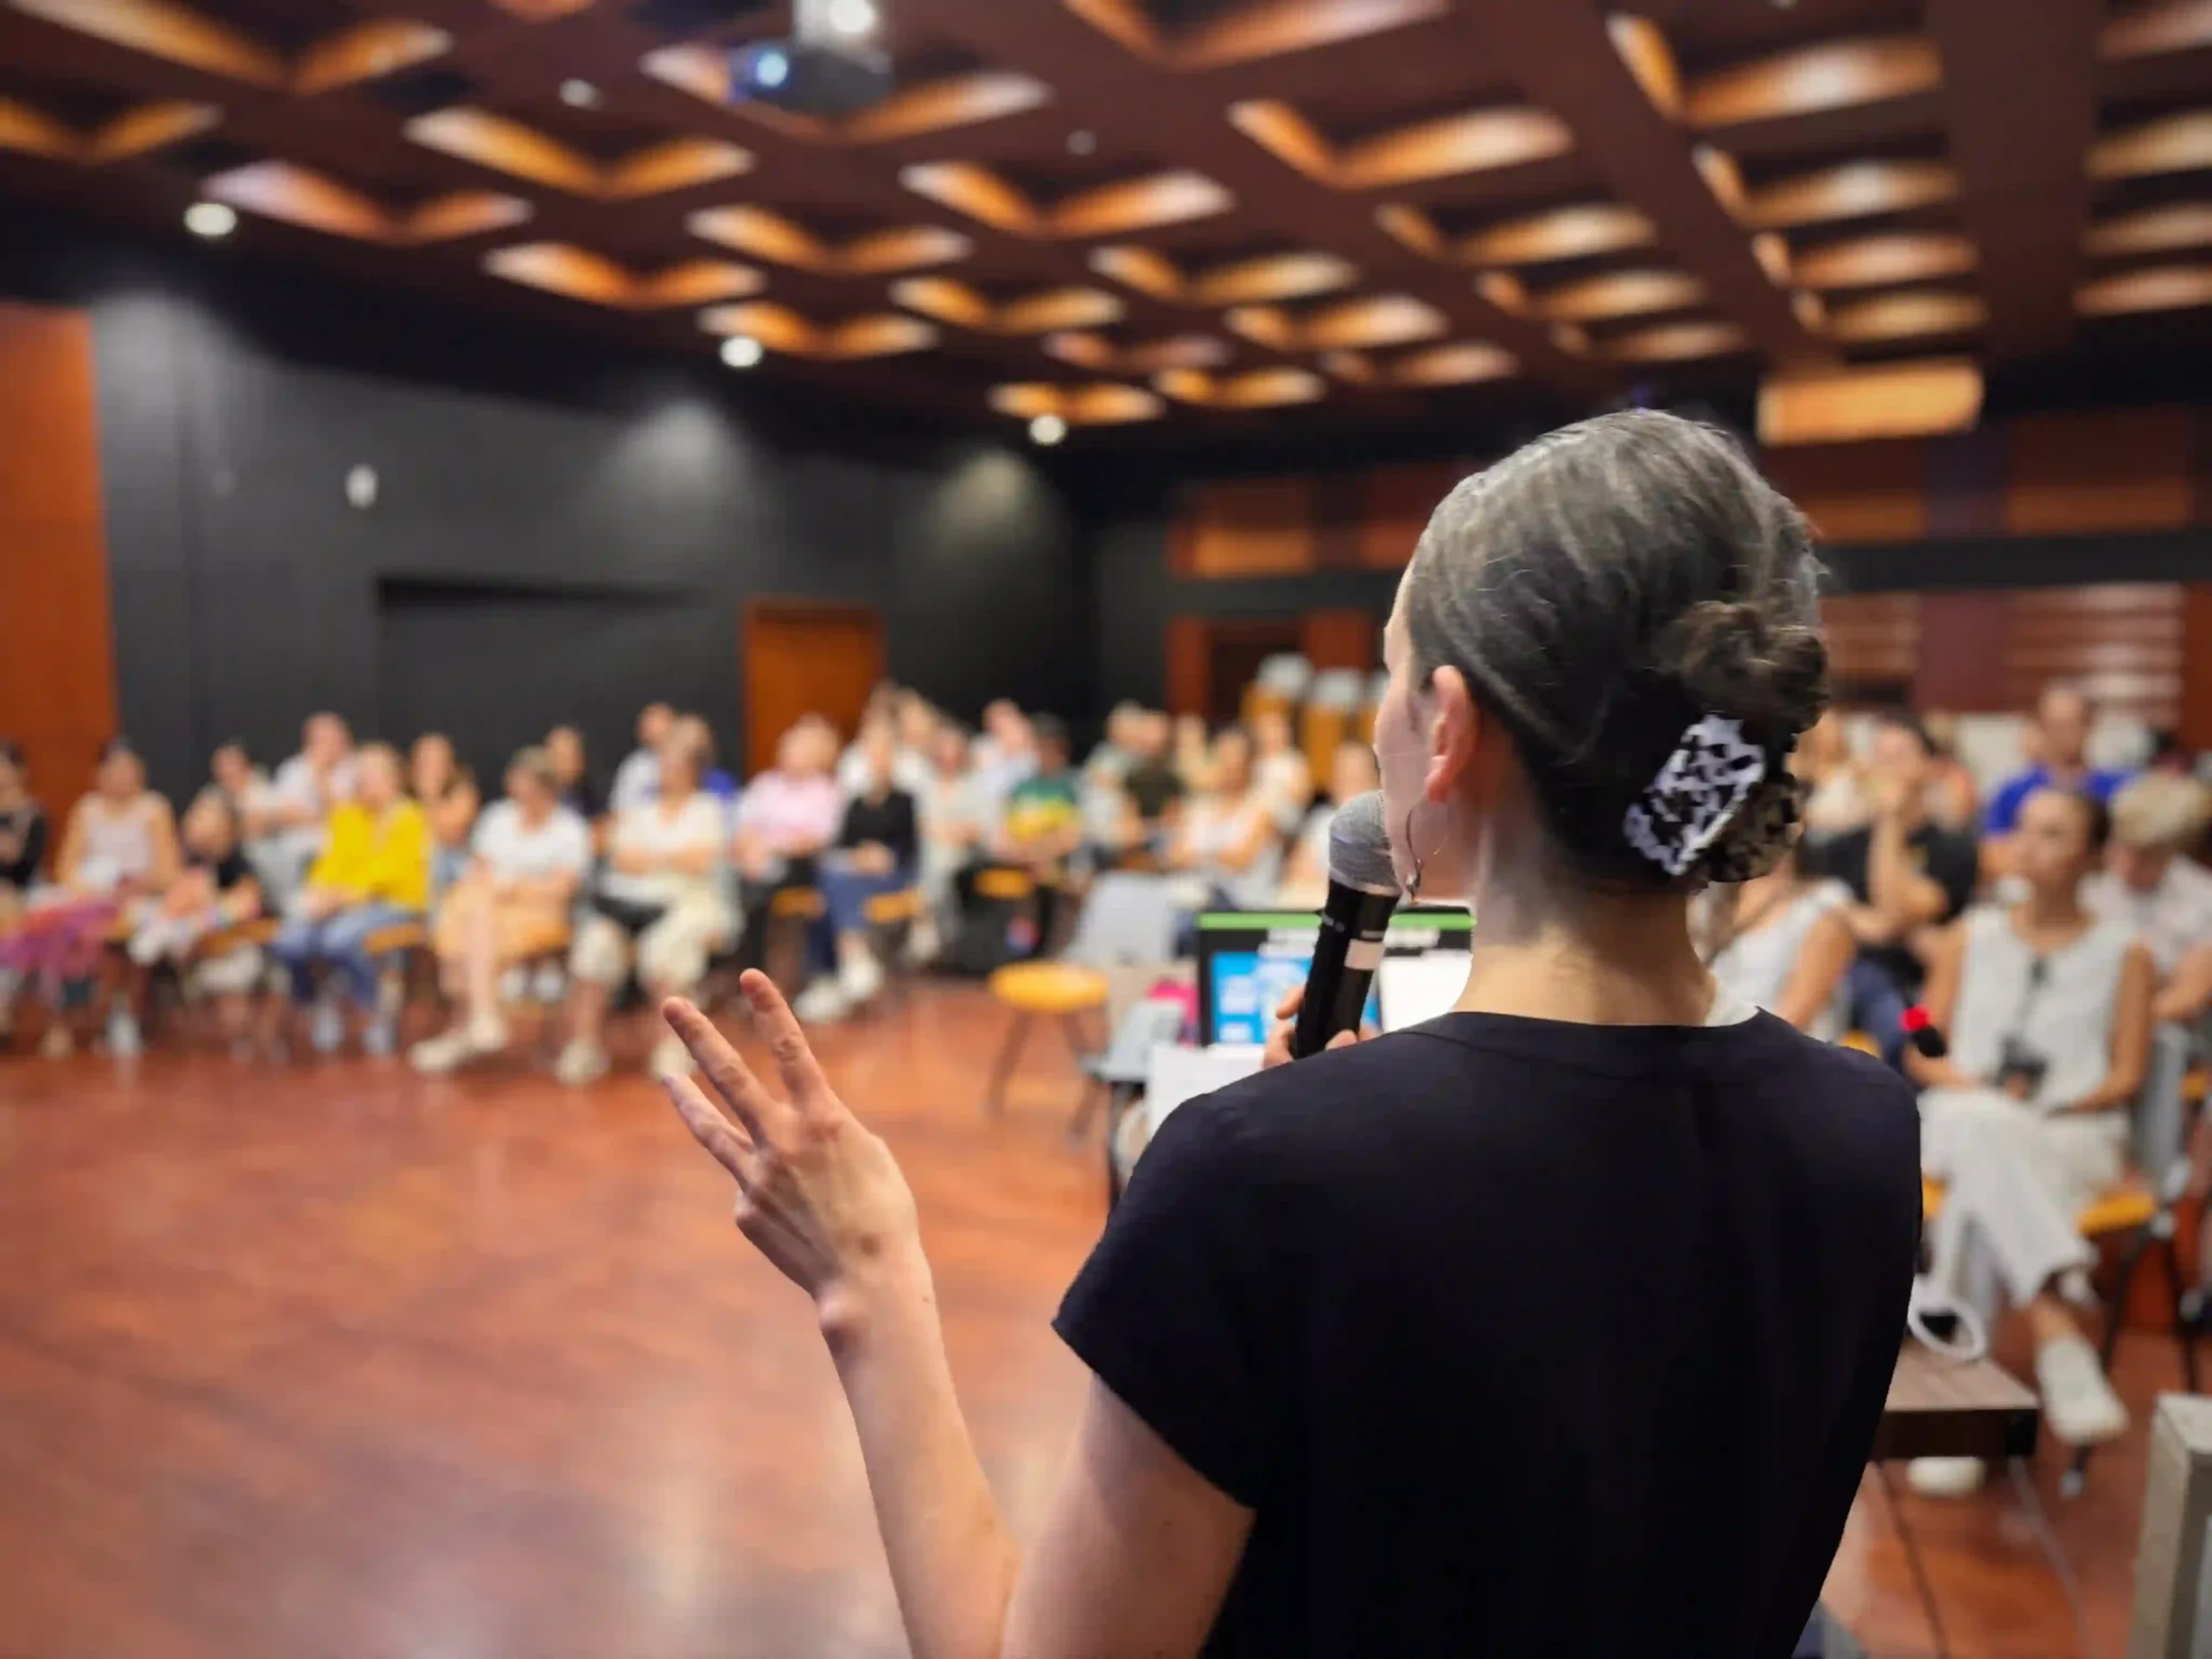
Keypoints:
pixel 628 914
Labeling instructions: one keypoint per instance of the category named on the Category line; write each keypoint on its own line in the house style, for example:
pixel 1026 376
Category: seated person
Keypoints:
pixel 1907 876
pixel 955 819
pixel 637 780
pixel 896 715
pixel 1192 752
pixel 1044 815
pixel 23 861
pixel 572 779
pixel 373 873
pixel 216 890
pixel 232 774
pixel 2151 883
pixel 876 851
pixel 784 818
pixel 302 796
pixel 1779 941
pixel 1305 873
pixel 1128 810
pixel 1835 801
pixel 2046 1008
pixel 658 902
pixel 716 780
pixel 1280 767
pixel 446 791
pixel 528 860
pixel 1953 800
pixel 2058 741
pixel 118 850
pixel 1227 835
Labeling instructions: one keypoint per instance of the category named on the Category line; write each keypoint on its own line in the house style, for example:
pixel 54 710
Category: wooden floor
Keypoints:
pixel 326 1361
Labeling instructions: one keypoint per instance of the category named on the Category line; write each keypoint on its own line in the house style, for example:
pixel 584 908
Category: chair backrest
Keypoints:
pixel 2160 1117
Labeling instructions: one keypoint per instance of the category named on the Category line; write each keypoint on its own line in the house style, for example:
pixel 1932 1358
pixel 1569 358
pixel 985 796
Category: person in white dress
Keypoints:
pixel 528 855
pixel 2046 1007
pixel 1779 941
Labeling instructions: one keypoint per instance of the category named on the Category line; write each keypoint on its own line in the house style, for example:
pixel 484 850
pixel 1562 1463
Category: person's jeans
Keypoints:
pixel 1877 1006
pixel 340 940
pixel 845 893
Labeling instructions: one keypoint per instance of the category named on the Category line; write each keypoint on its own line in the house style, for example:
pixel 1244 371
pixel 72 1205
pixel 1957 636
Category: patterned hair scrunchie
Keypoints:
pixel 1692 798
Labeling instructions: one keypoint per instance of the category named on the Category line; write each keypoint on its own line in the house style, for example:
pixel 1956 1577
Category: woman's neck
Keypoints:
pixel 1585 958
pixel 2050 910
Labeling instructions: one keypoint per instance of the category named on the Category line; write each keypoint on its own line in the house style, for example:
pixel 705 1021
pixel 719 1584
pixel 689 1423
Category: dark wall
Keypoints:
pixel 564 528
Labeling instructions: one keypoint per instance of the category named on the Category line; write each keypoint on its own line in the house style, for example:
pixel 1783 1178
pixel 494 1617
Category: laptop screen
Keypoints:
pixel 1249 960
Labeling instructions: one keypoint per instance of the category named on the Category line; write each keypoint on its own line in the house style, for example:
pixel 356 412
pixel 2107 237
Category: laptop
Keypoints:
pixel 1249 960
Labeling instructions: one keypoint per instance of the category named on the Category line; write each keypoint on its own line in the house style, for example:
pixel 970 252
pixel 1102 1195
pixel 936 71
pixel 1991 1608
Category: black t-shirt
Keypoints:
pixel 229 870
pixel 583 798
pixel 1950 858
pixel 1152 787
pixel 888 822
pixel 24 828
pixel 1521 1337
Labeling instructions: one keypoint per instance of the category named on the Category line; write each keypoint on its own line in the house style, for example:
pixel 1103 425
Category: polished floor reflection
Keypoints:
pixel 330 1361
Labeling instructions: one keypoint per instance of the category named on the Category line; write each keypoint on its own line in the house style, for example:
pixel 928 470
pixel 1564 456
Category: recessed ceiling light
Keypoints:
pixel 741 350
pixel 210 218
pixel 581 94
pixel 1047 430
pixel 1081 142
pixel 852 18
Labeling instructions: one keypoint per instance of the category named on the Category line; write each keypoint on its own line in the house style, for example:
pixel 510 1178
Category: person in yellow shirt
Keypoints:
pixel 374 873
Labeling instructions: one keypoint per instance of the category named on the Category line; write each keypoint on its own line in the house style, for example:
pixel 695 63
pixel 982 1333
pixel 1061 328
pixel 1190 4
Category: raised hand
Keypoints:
pixel 817 1193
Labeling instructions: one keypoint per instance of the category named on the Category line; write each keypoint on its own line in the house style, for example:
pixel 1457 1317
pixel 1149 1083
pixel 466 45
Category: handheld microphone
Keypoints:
pixel 1362 892
pixel 1920 1031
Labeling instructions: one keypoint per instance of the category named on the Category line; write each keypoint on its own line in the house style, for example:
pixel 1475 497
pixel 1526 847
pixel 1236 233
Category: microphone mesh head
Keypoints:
pixel 1359 845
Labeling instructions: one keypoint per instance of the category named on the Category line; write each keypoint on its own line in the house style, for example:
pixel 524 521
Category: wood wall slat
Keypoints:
pixel 2100 469
pixel 57 646
pixel 1856 492
pixel 1396 505
pixel 1253 527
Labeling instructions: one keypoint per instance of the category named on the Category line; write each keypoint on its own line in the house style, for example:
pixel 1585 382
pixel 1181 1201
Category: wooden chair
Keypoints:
pixel 1058 991
pixel 890 917
pixel 791 911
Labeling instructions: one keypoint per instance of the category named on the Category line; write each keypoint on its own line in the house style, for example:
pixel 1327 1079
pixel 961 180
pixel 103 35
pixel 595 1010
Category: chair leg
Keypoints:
pixel 2184 1332
pixel 1002 1068
pixel 2077 1471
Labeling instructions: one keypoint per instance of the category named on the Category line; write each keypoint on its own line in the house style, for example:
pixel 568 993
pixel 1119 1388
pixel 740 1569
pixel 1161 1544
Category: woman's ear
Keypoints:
pixel 1454 730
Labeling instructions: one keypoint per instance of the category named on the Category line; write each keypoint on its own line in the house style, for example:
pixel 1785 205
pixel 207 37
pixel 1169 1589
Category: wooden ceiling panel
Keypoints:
pixel 1331 208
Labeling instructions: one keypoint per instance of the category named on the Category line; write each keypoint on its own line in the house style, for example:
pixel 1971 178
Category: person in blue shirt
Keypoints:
pixel 2061 735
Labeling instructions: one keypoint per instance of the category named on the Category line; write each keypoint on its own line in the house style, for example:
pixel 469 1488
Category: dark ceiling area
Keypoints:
pixel 1199 218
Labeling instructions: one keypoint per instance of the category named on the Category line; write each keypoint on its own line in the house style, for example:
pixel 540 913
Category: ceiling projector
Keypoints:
pixel 833 65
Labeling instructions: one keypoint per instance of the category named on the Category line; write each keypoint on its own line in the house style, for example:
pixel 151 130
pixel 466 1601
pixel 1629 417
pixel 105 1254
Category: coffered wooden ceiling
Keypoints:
pixel 1165 214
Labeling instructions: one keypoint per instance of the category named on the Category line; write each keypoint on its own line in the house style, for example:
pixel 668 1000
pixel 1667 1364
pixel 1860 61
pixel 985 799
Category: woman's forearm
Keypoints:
pixel 952 1563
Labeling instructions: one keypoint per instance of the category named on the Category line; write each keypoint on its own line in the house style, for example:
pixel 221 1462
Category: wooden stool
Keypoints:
pixel 890 917
pixel 791 911
pixel 1030 988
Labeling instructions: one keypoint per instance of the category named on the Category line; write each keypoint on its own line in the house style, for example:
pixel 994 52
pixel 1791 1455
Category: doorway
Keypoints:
pixel 804 656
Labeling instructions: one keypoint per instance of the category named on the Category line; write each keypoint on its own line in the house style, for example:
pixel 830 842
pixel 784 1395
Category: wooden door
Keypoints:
pixel 57 650
pixel 803 657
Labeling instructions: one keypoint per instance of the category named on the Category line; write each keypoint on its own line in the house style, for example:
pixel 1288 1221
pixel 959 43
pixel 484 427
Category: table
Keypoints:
pixel 1942 1408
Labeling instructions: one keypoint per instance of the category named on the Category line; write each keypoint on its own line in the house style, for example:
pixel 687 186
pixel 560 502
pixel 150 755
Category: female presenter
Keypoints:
pixel 1560 1324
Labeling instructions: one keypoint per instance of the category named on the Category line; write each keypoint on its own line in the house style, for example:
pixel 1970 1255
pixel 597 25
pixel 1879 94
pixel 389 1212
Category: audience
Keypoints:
pixel 876 851
pixel 1779 941
pixel 1004 752
pixel 446 791
pixel 2151 886
pixel 216 891
pixel 1906 875
pixel 660 901
pixel 2046 1008
pixel 22 831
pixel 528 861
pixel 692 732
pixel 1835 805
pixel 1042 822
pixel 232 774
pixel 785 816
pixel 1952 800
pixel 2058 742
pixel 372 875
pixel 1192 753
pixel 1228 836
pixel 956 819
pixel 908 723
pixel 305 790
pixel 637 780
pixel 572 779
pixel 1352 772
pixel 1280 770
pixel 119 848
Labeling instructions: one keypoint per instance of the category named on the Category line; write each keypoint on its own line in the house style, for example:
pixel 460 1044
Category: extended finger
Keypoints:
pixel 708 1127
pixel 773 1019
pixel 756 1108
pixel 1287 1008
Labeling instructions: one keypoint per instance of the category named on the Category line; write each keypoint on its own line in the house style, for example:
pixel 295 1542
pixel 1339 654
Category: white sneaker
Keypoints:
pixel 381 1037
pixel 860 976
pixel 327 1030
pixel 124 1040
pixel 2077 1402
pixel 449 1049
pixel 821 1003
pixel 670 1058
pixel 581 1063
pixel 514 985
pixel 1952 1478
pixel 924 944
